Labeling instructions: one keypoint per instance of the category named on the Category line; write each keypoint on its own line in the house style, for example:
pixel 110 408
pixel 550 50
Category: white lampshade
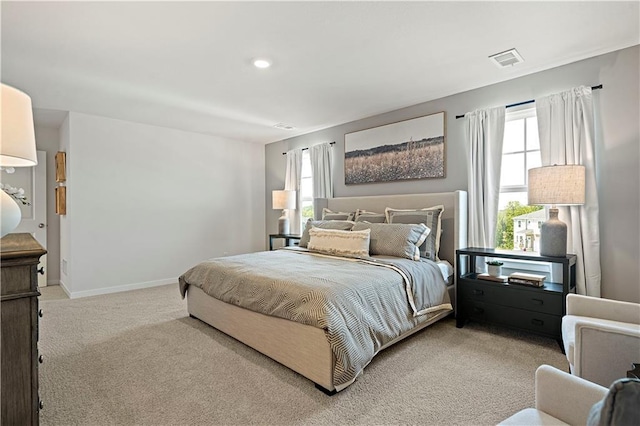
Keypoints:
pixel 283 199
pixel 557 185
pixel 18 141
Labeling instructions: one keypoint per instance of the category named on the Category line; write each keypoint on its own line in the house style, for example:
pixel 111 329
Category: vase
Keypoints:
pixel 10 212
pixel 494 270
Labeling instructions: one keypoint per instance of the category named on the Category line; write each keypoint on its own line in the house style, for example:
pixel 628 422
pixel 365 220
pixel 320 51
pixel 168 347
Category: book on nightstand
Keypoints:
pixel 523 278
pixel 500 279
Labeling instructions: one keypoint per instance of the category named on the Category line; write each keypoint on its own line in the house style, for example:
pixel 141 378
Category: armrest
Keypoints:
pixel 604 352
pixel 608 309
pixel 566 397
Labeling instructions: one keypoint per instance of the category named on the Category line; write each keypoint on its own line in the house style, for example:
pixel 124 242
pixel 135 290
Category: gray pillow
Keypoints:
pixel 343 225
pixel 432 217
pixel 399 240
pixel 371 217
pixel 621 406
pixel 330 215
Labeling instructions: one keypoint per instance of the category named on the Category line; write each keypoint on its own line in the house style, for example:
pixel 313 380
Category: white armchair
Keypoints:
pixel 560 399
pixel 601 337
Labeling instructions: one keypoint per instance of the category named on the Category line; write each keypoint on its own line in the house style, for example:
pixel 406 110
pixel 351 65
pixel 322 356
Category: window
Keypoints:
pixel 520 152
pixel 306 189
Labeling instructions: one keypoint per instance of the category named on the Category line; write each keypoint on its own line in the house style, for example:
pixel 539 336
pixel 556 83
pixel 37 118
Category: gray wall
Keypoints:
pixel 618 153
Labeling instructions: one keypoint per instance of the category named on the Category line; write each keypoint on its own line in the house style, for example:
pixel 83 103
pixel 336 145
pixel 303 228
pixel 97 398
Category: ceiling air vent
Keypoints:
pixel 283 126
pixel 508 57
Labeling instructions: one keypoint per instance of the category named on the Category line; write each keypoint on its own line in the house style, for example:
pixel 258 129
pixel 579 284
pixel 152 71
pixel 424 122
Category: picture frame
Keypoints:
pixel 61 200
pixel 405 150
pixel 61 164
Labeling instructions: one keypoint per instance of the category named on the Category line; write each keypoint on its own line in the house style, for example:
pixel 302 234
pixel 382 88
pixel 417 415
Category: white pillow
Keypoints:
pixel 339 243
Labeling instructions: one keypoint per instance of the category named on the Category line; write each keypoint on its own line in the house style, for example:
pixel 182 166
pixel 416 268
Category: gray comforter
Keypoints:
pixel 361 304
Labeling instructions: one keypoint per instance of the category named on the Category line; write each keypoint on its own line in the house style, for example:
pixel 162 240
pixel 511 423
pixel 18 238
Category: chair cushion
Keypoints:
pixel 569 331
pixel 531 416
pixel 620 405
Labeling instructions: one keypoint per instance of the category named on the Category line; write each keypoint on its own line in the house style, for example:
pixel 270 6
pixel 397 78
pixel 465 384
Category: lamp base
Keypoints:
pixel 283 224
pixel 10 214
pixel 553 236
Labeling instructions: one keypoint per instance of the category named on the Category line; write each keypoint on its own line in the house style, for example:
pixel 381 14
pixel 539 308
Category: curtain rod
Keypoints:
pixel 304 149
pixel 599 86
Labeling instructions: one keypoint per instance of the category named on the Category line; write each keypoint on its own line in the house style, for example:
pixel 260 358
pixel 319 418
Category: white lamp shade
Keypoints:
pixel 284 199
pixel 557 185
pixel 18 143
pixel 10 214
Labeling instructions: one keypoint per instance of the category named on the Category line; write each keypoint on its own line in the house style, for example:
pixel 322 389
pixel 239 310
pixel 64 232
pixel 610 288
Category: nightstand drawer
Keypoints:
pixel 532 299
pixel 518 318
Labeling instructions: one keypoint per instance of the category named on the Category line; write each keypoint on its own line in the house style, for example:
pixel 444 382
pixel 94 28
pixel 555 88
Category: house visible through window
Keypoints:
pixel 518 223
pixel 306 189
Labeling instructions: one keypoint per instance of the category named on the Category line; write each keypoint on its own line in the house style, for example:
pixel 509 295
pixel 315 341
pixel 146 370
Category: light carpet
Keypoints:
pixel 137 358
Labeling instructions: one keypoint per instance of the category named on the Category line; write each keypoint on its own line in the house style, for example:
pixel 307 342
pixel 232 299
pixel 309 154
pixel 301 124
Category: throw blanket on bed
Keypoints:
pixel 361 304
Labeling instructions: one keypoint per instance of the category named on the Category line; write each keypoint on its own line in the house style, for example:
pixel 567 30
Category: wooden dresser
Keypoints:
pixel 20 254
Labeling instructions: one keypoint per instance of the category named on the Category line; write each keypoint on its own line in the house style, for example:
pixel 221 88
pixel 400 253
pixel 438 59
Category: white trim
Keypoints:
pixel 118 289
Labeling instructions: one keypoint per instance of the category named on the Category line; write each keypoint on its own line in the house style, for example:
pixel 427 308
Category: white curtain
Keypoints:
pixel 566 128
pixel 292 180
pixel 322 170
pixel 484 133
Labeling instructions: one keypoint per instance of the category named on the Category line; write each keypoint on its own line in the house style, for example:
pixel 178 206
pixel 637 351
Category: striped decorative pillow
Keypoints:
pixel 339 243
pixel 397 240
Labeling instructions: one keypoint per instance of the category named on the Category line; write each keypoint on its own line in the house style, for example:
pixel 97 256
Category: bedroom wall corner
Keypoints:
pixel 145 203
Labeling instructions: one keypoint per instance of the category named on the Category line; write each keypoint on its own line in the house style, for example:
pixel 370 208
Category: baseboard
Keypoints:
pixel 65 289
pixel 118 289
pixel 53 282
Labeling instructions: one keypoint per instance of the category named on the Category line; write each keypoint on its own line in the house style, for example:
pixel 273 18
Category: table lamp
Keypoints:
pixel 283 200
pixel 17 148
pixel 554 186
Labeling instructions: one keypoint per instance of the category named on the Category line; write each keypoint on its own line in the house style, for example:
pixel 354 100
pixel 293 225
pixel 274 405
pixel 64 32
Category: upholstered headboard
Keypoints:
pixel 454 217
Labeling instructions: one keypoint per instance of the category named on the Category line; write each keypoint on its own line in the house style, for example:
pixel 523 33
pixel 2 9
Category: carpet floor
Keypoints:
pixel 137 358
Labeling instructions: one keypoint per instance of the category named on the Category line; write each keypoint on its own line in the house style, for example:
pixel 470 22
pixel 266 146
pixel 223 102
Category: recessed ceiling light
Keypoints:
pixel 261 63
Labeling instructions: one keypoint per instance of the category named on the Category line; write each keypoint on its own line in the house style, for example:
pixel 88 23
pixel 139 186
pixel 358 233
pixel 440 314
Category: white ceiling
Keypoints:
pixel 188 65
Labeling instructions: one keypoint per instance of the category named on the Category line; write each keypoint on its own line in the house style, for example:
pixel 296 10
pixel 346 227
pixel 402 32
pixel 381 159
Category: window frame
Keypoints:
pixel 522 113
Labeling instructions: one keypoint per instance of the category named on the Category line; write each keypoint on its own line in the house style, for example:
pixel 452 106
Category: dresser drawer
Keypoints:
pixel 536 322
pixel 532 299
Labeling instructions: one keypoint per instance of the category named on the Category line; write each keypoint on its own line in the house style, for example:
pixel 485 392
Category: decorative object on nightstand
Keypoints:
pixel 17 147
pixel 494 268
pixel 556 185
pixel 283 200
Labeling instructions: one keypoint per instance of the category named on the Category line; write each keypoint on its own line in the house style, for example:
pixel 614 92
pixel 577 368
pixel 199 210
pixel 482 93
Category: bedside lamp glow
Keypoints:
pixel 556 185
pixel 283 200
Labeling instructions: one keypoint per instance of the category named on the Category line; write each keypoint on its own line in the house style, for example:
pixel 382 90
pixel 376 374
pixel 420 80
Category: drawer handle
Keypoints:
pixel 477 292
pixel 41 270
pixel 41 359
pixel 40 313
pixel 477 310
pixel 537 322
pixel 538 301
pixel 40 404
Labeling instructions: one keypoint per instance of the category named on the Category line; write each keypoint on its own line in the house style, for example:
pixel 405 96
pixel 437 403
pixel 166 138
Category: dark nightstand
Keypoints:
pixel 537 310
pixel 288 238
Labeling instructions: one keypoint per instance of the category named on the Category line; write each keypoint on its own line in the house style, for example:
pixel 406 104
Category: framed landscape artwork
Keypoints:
pixel 406 150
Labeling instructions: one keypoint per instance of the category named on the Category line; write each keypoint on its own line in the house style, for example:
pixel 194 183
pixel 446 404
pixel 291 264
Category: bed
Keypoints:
pixel 238 295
